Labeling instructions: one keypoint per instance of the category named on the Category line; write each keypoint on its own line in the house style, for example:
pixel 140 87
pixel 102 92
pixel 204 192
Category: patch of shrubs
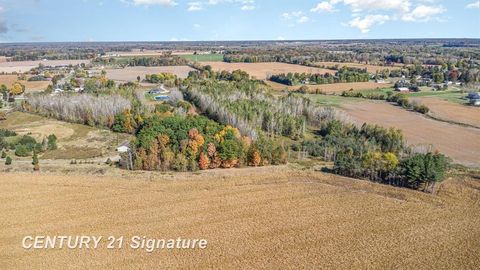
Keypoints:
pixel 378 154
pixel 400 99
pixel 7 133
pixel 22 150
pixel 8 160
pixel 403 101
pixel 75 162
pixel 25 145
pixel 374 96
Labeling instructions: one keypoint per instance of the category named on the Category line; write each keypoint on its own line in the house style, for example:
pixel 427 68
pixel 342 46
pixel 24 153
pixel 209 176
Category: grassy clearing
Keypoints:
pixel 203 57
pixel 75 141
pixel 19 119
pixel 330 100
pixel 450 96
pixel 454 96
pixel 72 152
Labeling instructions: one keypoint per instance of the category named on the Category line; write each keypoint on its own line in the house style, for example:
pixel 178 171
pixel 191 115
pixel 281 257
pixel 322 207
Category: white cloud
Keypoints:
pixel 368 21
pixel 195 6
pixel 244 4
pixel 247 7
pixel 475 4
pixel 303 19
pixel 364 5
pixel 323 7
pixel 154 2
pixel 423 13
pixel 360 5
pixel 196 26
pixel 363 11
pixel 297 16
pixel 280 38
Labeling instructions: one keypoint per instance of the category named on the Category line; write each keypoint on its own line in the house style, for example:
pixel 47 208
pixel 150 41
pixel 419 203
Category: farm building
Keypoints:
pixel 402 89
pixel 382 81
pixel 123 149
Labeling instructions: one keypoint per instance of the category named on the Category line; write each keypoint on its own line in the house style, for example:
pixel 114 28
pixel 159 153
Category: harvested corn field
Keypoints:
pixel 460 143
pixel 334 88
pixel 306 219
pixel 262 71
pixel 129 74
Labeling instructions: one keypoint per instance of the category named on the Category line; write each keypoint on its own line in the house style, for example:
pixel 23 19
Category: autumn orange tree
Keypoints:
pixel 203 161
pixel 196 142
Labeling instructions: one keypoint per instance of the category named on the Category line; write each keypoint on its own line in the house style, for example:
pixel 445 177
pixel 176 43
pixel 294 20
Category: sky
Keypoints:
pixel 192 20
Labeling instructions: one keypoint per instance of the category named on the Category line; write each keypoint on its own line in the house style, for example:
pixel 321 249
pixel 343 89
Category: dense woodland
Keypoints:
pixel 141 61
pixel 226 119
pixel 85 109
pixel 189 143
pixel 241 124
pixel 377 154
pixel 343 75
pixel 247 105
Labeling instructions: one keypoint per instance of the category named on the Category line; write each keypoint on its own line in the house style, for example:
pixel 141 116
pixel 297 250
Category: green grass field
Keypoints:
pixel 453 95
pixel 330 100
pixel 450 96
pixel 203 57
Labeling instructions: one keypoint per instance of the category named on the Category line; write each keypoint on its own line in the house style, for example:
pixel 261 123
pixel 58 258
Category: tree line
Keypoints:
pixel 84 109
pixel 378 154
pixel 344 75
pixel 149 61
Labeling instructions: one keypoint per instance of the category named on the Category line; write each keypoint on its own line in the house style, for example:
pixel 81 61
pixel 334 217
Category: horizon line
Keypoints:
pixel 244 40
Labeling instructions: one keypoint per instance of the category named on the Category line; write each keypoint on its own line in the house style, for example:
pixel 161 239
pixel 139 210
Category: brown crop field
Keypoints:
pixel 259 218
pixel 462 144
pixel 143 53
pixel 130 73
pixel 370 68
pixel 262 71
pixel 24 66
pixel 9 80
pixel 450 111
pixel 334 88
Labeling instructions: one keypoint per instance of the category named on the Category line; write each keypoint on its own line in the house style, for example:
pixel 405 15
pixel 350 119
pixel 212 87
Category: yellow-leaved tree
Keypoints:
pixel 17 89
